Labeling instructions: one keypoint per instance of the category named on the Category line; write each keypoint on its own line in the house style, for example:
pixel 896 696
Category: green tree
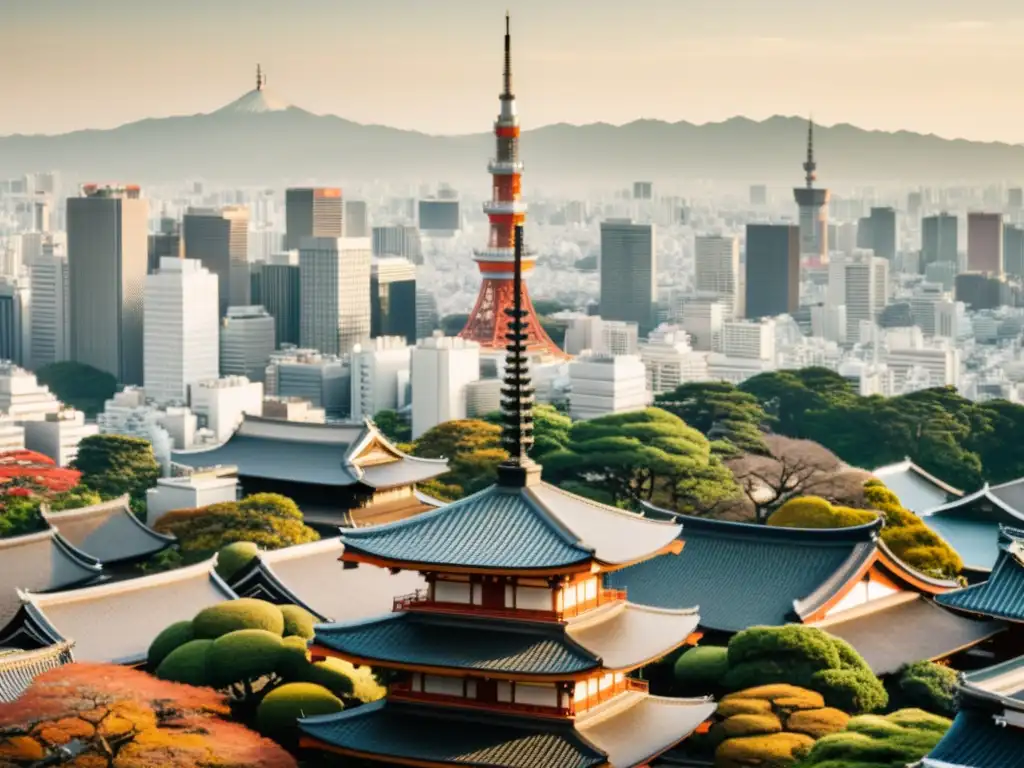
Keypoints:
pixel 79 385
pixel 20 514
pixel 719 411
pixel 267 520
pixel 395 428
pixel 925 685
pixel 113 465
pixel 648 455
pixel 473 449
pixel 787 396
pixel 551 429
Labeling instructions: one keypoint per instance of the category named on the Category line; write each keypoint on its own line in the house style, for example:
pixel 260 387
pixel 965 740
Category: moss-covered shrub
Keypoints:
pixel 293 660
pixel 187 664
pixel 817 722
pixel 245 655
pixel 282 707
pixel 298 622
pixel 232 558
pixel 333 674
pixel 776 750
pixel 701 669
pixel 925 685
pixel 232 615
pixel 751 725
pixel 737 706
pixel 791 697
pixel 174 636
pixel 815 512
pixel 872 741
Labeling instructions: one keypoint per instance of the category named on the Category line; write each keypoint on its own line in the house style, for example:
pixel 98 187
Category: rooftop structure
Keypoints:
pixel 1002 596
pixel 19 668
pixel 917 490
pixel 813 203
pixel 514 654
pixel 506 211
pixel 333 471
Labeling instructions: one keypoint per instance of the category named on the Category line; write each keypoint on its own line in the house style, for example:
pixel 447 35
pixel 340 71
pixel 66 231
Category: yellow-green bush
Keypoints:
pixel 281 708
pixel 815 512
pixel 245 655
pixel 875 741
pixel 293 660
pixel 817 722
pixel 234 557
pixel 298 622
pixel 186 664
pixel 793 696
pixel 751 725
pixel 174 636
pixel 733 705
pixel 232 615
pixel 702 667
pixel 776 750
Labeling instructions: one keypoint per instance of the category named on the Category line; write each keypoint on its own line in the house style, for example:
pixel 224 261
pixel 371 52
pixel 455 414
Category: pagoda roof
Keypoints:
pixel 116 622
pixel 19 668
pixel 917 489
pixel 315 454
pixel 1002 596
pixel 625 635
pixel 41 562
pixel 534 528
pixel 298 575
pixel 971 523
pixel 109 532
pixel 1003 682
pixel 438 641
pixel 927 631
pixel 626 732
pixel 742 574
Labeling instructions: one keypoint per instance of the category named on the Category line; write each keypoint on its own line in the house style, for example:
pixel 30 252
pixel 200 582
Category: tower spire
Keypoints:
pixel 809 165
pixel 517 393
pixel 259 78
pixel 507 92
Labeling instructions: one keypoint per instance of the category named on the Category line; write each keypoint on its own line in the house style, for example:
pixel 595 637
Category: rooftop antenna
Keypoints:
pixel 259 78
pixel 508 58
pixel 810 166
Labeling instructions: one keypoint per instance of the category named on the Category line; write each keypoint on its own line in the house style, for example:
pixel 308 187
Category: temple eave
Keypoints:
pixel 352 555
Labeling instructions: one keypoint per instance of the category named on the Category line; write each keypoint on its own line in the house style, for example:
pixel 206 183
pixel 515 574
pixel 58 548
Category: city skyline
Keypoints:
pixel 925 67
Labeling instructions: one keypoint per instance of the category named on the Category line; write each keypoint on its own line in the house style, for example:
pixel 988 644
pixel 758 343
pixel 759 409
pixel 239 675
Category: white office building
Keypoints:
pixel 828 321
pixel 221 404
pixel 50 319
pixel 717 271
pixel 380 376
pixel 671 361
pixel 189 492
pixel 58 435
pixel 749 339
pixel 334 280
pixel 442 368
pixel 605 384
pixel 594 333
pixel 247 339
pixel 22 397
pixel 180 330
pixel 15 325
pixel 865 288
pixel 12 435
pixel 484 397
pixel 912 359
pixel 324 380
pixel 703 320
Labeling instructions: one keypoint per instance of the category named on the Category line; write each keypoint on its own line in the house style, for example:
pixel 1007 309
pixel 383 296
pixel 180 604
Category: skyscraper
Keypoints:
pixel 813 204
pixel 628 273
pixel 246 342
pixel 773 270
pixel 107 265
pixel 219 238
pixel 355 219
pixel 393 298
pixel 334 275
pixel 15 337
pixel 881 233
pixel 276 287
pixel 398 240
pixel 717 267
pixel 166 242
pixel 181 329
pixel 866 290
pixel 50 316
pixel 938 239
pixel 312 212
pixel 985 242
pixel 1013 252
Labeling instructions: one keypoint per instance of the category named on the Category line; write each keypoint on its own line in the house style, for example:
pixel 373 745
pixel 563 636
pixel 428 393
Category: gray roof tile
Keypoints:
pixel 108 532
pixel 1002 596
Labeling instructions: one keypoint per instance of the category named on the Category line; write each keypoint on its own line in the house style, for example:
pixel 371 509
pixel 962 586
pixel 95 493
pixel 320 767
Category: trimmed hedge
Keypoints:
pixel 775 749
pixel 293 660
pixel 751 725
pixel 174 636
pixel 776 693
pixel 702 667
pixel 281 708
pixel 232 615
pixel 298 622
pixel 234 557
pixel 925 685
pixel 815 512
pixel 332 674
pixel 872 741
pixel 817 722
pixel 187 664
pixel 729 707
pixel 247 654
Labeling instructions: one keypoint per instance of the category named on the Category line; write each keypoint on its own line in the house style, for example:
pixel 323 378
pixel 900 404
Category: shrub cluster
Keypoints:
pixel 815 512
pixel 879 741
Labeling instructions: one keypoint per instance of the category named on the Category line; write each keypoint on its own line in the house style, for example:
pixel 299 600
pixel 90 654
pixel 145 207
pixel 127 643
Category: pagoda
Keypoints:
pixel 514 655
pixel 505 211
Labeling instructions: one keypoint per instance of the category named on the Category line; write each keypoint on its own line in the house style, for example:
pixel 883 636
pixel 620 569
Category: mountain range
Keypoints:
pixel 261 139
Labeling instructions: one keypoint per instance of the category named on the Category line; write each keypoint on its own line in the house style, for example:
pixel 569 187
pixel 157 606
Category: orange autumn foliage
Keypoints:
pixel 128 719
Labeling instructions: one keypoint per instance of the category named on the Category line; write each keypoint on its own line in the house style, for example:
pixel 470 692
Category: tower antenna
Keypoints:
pixel 259 78
pixel 809 165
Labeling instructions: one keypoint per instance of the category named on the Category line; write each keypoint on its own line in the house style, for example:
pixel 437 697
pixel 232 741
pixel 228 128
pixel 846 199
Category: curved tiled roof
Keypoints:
pixel 108 532
pixel 625 636
pixel 1002 596
pixel 977 741
pixel 918 490
pixel 484 645
pixel 741 574
pixel 19 668
pixel 532 528
pixel 443 735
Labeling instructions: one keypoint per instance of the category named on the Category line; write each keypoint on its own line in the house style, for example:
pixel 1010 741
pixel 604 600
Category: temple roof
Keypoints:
pixel 927 632
pixel 499 646
pixel 299 574
pixel 1001 681
pixel 628 731
pixel 41 562
pixel 741 575
pixel 537 527
pixel 918 490
pixel 1002 596
pixel 316 454
pixel 108 532
pixel 19 668
pixel 624 635
pixel 452 737
pixel 971 524
pixel 116 622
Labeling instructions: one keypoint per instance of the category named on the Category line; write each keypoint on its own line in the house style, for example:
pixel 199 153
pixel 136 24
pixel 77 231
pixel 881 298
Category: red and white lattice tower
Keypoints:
pixel 488 323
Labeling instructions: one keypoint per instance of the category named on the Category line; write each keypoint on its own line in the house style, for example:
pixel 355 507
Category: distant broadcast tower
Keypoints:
pixel 813 204
pixel 260 79
pixel 488 323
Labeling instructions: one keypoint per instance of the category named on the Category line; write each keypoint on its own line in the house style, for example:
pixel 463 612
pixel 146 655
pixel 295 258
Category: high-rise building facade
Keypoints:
pixel 219 239
pixel 166 242
pixel 355 219
pixel 985 242
pixel 442 366
pixel 628 269
pixel 334 275
pixel 15 310
pixel 276 286
pixel 938 240
pixel 51 315
pixel 813 203
pixel 181 329
pixel 866 289
pixel 1013 250
pixel 380 376
pixel 246 342
pixel 717 268
pixel 107 266
pixel 878 232
pixel 398 240
pixel 772 270
pixel 393 298
pixel 312 212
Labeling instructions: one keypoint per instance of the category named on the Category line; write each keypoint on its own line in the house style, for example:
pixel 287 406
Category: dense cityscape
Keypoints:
pixel 329 470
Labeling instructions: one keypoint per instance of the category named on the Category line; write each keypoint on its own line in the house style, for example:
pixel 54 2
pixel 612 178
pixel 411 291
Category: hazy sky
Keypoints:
pixel 950 67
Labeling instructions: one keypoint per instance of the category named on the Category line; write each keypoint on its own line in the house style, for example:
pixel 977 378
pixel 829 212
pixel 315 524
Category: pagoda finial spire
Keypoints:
pixel 507 92
pixel 259 78
pixel 809 165
pixel 517 393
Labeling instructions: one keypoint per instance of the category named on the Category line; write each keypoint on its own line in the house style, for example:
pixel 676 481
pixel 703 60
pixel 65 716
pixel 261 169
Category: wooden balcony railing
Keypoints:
pixel 421 600
pixel 402 692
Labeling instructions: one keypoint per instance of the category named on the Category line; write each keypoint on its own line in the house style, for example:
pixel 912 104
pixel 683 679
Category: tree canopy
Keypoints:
pixel 393 426
pixel 78 385
pixel 551 429
pixel 473 449
pixel 721 412
pixel 113 465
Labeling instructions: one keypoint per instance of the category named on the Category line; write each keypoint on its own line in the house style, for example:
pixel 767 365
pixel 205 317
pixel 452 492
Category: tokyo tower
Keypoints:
pixel 487 325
